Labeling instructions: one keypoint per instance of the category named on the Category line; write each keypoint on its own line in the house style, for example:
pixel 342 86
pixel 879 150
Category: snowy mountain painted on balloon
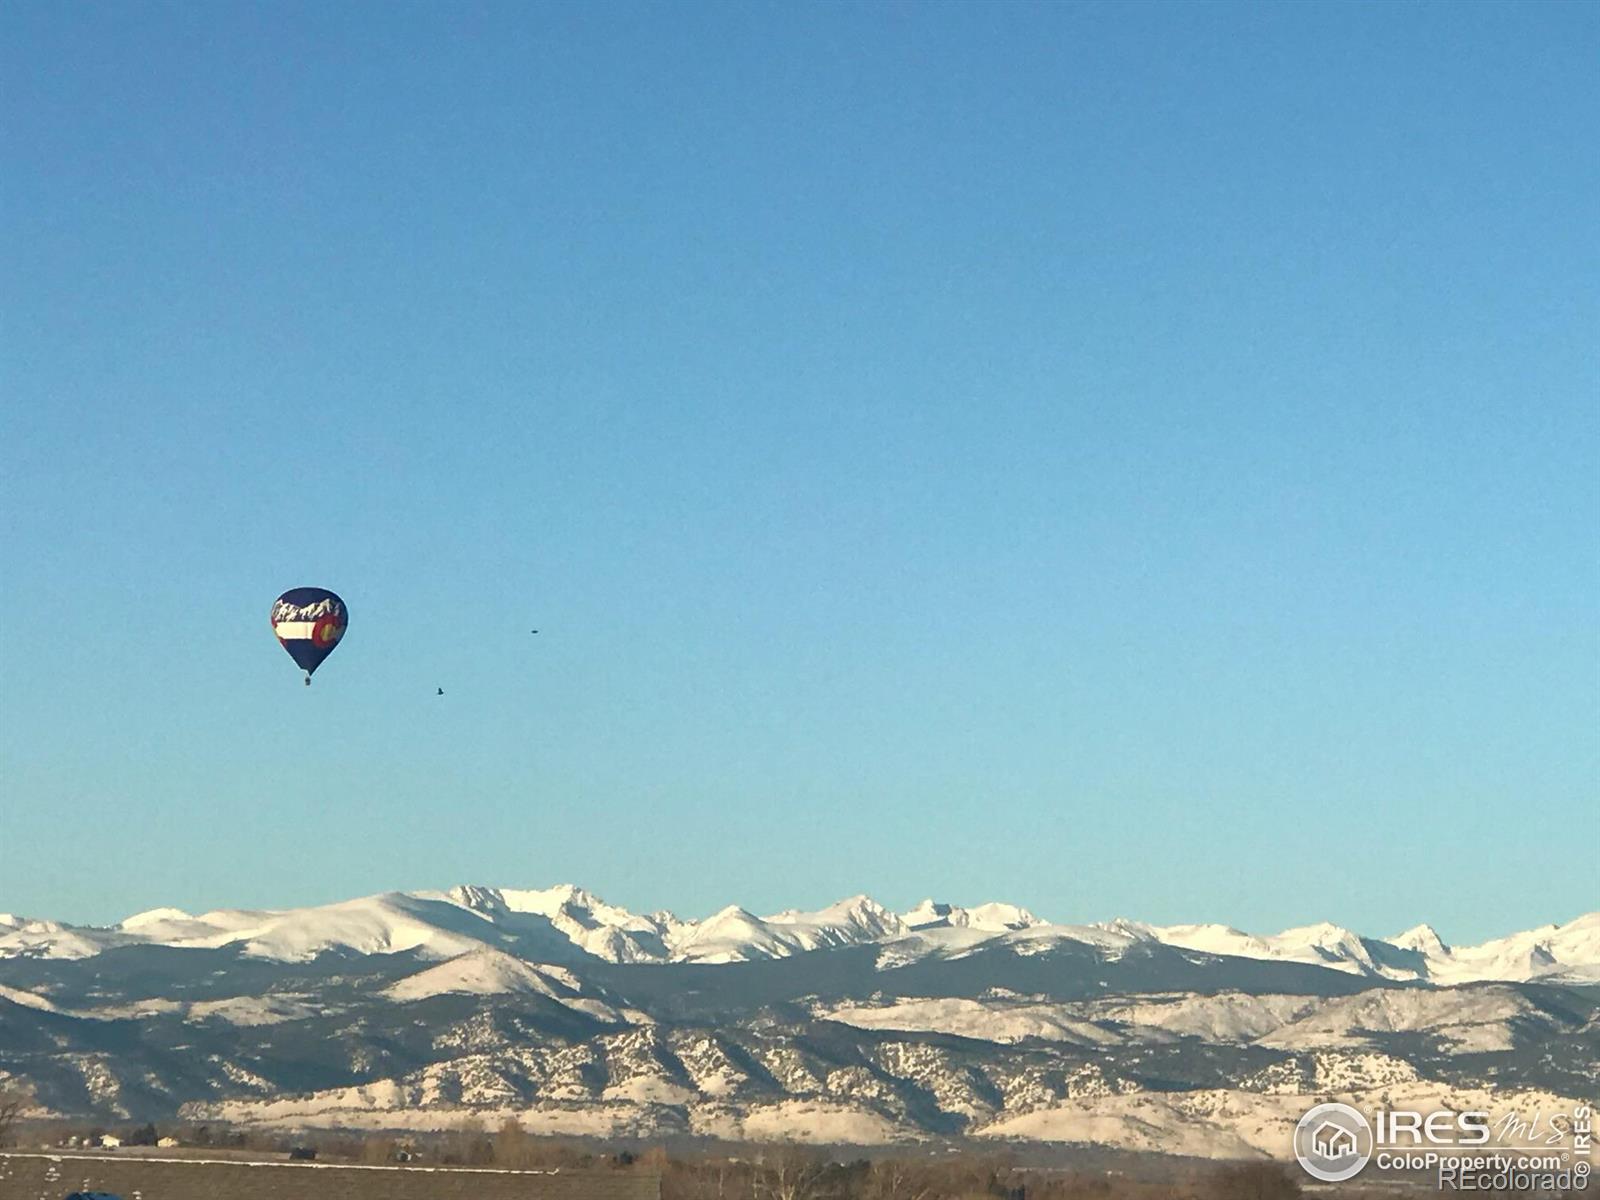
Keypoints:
pixel 853 1023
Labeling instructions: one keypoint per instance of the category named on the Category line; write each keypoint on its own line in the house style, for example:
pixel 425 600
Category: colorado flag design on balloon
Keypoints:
pixel 308 622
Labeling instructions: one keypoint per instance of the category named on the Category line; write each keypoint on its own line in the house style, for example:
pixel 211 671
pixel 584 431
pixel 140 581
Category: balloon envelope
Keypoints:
pixel 308 622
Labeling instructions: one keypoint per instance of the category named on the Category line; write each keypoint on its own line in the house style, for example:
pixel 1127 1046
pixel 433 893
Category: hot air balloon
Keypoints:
pixel 308 622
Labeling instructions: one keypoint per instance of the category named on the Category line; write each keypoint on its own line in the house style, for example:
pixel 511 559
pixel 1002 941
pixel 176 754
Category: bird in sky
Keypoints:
pixel 439 692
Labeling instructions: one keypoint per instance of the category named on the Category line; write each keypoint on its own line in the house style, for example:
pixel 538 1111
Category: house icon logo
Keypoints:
pixel 1333 1142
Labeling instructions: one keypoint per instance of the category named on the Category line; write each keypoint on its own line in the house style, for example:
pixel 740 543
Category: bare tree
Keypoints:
pixel 468 1144
pixel 791 1173
pixel 897 1179
pixel 13 1100
pixel 707 1177
pixel 511 1145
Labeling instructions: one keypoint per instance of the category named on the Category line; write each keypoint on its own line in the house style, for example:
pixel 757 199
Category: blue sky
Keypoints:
pixel 1123 459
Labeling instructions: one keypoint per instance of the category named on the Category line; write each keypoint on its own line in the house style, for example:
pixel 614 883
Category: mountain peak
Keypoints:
pixel 992 917
pixel 1321 931
pixel 860 911
pixel 155 916
pixel 928 912
pixel 1423 939
pixel 731 914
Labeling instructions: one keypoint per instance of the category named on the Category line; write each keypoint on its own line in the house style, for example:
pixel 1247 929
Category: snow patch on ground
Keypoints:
pixel 819 1121
pixel 253 1010
pixel 28 999
pixel 986 1020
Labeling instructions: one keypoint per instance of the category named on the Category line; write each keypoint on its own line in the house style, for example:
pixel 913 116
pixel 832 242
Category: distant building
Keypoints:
pixel 110 1141
pixel 167 1143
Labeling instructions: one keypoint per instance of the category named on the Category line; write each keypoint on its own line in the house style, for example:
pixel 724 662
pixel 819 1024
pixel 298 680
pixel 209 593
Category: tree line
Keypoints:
pixel 754 1171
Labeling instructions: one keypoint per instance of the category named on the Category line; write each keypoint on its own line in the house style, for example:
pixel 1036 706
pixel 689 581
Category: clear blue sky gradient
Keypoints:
pixel 1124 459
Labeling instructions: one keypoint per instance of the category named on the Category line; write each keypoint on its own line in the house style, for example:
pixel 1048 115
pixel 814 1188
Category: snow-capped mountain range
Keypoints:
pixel 566 923
pixel 852 1023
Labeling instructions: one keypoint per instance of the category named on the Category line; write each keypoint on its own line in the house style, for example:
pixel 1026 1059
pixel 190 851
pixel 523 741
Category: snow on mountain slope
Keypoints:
pixel 632 1084
pixel 1036 1032
pixel 482 972
pixel 1228 1123
pixel 27 999
pixel 1424 940
pixel 942 941
pixel 566 923
pixel 1207 939
pixel 986 1020
pixel 737 935
pixel 858 919
pixel 1323 945
pixel 595 927
pixel 1331 945
pixel 1227 1017
pixel 1569 952
pixel 732 935
pixel 155 918
pixel 489 972
pixel 992 918
pixel 1479 1019
pixel 938 941
pixel 384 924
pixel 22 937
pixel 255 1010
